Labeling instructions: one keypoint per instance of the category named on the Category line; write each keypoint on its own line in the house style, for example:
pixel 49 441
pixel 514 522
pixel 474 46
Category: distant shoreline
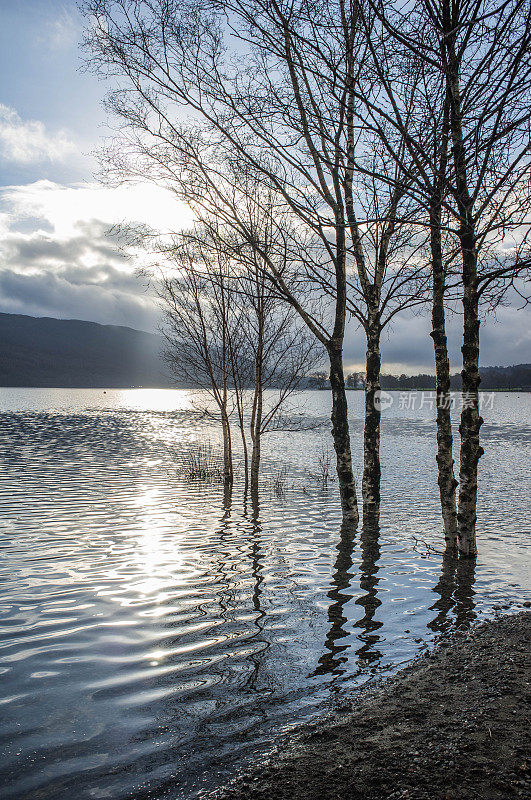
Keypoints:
pixel 46 353
pixel 107 388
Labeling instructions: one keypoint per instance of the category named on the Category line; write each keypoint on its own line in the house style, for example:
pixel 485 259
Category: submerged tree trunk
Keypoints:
pixel 227 501
pixel 445 462
pixel 471 420
pixel 340 433
pixel 371 433
pixel 255 464
pixel 245 450
pixel 256 438
pixel 245 460
pixel 256 415
pixel 228 472
pixel 238 394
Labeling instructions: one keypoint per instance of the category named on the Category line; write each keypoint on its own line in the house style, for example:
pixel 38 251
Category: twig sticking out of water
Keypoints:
pixel 430 550
pixel 324 472
pixel 279 482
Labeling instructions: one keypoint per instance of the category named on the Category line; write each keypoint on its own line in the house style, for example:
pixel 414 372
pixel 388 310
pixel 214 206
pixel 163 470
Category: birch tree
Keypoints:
pixel 477 59
pixel 390 279
pixel 200 324
pixel 229 332
pixel 285 107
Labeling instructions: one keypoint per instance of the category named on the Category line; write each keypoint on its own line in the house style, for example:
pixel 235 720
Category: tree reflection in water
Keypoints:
pixel 331 661
pixel 334 660
pixel 256 554
pixel 225 593
pixel 455 606
pixel 370 556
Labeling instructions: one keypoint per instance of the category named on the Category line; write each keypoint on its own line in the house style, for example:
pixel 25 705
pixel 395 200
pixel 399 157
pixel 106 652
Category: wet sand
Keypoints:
pixel 454 724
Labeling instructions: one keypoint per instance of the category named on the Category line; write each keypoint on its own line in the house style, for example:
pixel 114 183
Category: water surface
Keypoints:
pixel 155 631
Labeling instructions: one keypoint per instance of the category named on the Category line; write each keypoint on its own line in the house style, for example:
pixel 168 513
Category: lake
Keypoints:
pixel 156 632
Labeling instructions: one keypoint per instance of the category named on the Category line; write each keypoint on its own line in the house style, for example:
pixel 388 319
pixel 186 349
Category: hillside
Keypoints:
pixel 40 351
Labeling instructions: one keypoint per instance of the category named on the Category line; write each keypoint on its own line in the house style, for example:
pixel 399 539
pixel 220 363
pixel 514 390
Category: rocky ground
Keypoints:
pixel 452 725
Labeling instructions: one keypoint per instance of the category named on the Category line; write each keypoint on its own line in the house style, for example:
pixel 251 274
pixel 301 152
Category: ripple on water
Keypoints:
pixel 154 631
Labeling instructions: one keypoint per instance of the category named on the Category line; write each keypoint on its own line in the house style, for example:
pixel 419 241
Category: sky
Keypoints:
pixel 58 254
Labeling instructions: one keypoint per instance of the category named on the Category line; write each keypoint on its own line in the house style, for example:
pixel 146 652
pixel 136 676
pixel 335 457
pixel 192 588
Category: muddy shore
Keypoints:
pixel 453 724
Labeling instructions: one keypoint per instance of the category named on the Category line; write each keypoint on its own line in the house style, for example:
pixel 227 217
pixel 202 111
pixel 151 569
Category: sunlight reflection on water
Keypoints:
pixel 154 631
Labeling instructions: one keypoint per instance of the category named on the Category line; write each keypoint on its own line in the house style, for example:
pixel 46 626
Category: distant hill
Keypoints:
pixel 516 377
pixel 40 351
pixel 70 353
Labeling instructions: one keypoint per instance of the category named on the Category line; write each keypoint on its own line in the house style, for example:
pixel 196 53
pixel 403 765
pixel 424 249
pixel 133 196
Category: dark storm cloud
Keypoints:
pixel 84 277
pixel 53 295
pixel 39 249
pixel 505 339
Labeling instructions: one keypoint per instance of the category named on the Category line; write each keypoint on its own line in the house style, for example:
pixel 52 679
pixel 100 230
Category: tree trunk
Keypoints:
pixel 245 449
pixel 445 462
pixel 245 460
pixel 371 433
pixel 255 463
pixel 471 420
pixel 256 416
pixel 228 472
pixel 340 433
pixel 227 501
pixel 238 392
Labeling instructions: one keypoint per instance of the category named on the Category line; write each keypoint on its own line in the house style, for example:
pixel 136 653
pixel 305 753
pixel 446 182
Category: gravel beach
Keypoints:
pixel 453 724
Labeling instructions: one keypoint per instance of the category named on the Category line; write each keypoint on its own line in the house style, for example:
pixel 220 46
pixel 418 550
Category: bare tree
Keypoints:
pixel 226 320
pixel 390 279
pixel 200 317
pixel 356 380
pixel 293 102
pixel 286 111
pixel 475 79
pixel 486 54
pixel 282 353
pixel 272 348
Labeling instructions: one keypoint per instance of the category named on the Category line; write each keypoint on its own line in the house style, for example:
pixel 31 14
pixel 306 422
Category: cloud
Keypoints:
pixel 29 142
pixel 61 32
pixel 58 258
pixel 406 346
pixel 105 297
pixel 67 207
